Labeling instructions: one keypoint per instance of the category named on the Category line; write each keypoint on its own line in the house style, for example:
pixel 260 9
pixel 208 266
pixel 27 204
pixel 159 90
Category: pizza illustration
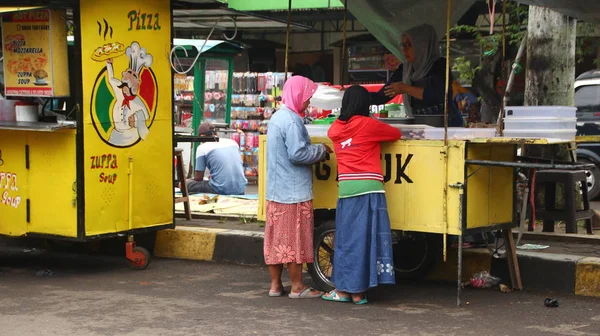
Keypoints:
pixel 39 62
pixel 13 66
pixel 107 51
pixel 25 64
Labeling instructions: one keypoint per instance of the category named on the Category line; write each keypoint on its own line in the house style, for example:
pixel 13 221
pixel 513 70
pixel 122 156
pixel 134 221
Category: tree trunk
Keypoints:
pixel 550 58
pixel 550 74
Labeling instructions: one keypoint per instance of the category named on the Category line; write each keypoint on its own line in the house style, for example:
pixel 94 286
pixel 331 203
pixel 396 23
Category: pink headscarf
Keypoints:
pixel 296 91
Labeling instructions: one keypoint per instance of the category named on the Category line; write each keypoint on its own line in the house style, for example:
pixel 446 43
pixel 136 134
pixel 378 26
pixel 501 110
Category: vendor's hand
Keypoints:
pixel 394 89
pixel 328 149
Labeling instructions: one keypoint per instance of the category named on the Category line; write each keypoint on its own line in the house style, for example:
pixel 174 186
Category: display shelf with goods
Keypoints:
pixel 370 64
pixel 184 101
pixel 203 93
pixel 255 98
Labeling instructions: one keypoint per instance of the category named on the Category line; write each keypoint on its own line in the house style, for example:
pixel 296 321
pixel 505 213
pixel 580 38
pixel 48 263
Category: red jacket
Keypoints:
pixel 356 146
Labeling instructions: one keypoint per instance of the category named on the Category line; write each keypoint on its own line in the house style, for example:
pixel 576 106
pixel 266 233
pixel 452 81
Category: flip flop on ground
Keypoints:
pixel 279 293
pixel 362 301
pixel 308 293
pixel 334 296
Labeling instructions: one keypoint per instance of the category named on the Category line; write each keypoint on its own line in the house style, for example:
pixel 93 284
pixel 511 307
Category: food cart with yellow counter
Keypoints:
pixel 95 169
pixel 435 188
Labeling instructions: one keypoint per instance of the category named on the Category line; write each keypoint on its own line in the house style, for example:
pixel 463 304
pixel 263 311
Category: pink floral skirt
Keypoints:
pixel 289 233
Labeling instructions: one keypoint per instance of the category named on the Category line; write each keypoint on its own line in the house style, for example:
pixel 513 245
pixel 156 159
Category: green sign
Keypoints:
pixel 264 5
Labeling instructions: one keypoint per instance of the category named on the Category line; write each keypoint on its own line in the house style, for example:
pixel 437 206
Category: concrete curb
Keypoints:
pixel 207 244
pixel 541 271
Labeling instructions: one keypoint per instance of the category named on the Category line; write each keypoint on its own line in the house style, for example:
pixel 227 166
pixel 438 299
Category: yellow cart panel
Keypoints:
pixel 128 147
pixel 52 183
pixel 13 183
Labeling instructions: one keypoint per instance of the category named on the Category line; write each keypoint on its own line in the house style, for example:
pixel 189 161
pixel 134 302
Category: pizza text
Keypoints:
pixel 143 21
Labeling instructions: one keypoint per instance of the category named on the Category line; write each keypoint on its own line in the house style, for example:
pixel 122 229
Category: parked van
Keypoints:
pixel 587 101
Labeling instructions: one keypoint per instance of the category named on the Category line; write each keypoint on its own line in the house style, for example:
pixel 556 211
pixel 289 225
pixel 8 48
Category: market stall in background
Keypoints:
pixel 206 88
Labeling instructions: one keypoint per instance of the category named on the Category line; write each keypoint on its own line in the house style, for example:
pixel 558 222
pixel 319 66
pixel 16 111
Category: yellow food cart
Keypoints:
pixel 102 170
pixel 433 190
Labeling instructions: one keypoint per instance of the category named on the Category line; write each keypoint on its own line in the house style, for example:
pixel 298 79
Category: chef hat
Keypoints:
pixel 138 57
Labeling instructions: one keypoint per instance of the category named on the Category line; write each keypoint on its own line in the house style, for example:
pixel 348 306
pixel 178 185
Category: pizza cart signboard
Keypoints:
pixel 127 116
pixel 35 53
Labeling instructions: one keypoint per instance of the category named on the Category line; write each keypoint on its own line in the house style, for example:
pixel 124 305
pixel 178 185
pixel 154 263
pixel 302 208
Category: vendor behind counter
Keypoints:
pixel 421 80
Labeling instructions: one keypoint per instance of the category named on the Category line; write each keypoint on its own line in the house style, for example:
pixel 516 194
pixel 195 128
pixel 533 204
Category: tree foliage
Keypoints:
pixel 491 44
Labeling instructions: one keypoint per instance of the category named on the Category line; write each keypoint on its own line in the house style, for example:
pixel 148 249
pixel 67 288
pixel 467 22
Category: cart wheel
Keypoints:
pixel 321 270
pixel 141 258
pixel 414 253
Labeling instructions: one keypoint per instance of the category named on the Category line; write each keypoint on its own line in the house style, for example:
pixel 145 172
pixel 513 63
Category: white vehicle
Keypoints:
pixel 587 101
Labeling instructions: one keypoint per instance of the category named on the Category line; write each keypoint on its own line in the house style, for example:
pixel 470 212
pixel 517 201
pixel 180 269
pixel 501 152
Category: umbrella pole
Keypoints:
pixel 344 52
pixel 287 38
pixel 446 153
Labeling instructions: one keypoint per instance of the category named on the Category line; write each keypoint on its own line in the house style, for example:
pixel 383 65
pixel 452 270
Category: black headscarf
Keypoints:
pixel 356 101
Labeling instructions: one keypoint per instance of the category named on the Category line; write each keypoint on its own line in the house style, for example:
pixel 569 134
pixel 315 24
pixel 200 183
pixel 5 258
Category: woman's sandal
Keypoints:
pixel 335 297
pixel 362 301
pixel 277 294
pixel 305 294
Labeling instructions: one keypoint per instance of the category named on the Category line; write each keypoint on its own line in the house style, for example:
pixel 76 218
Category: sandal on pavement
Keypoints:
pixel 306 294
pixel 362 302
pixel 335 297
pixel 277 294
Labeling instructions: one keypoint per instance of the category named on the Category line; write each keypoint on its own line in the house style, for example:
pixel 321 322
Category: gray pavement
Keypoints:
pixel 97 295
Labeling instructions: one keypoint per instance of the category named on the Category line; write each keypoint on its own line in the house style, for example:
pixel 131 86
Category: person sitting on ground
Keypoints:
pixel 224 162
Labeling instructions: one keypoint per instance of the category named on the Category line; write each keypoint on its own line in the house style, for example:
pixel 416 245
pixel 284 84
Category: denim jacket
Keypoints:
pixel 290 156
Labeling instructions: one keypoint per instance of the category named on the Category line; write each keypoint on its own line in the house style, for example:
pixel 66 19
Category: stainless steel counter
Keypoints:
pixel 35 126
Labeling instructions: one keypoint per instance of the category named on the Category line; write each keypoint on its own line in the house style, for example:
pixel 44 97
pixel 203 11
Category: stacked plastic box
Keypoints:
pixel 548 122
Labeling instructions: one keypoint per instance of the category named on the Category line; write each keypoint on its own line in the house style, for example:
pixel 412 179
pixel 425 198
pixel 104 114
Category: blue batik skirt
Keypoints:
pixel 363 244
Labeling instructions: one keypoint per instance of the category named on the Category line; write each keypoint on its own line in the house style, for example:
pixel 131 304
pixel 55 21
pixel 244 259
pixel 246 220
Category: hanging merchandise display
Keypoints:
pixel 255 98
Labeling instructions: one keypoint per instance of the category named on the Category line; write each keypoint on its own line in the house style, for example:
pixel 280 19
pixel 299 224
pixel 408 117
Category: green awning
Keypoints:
pixel 388 19
pixel 211 47
pixel 268 5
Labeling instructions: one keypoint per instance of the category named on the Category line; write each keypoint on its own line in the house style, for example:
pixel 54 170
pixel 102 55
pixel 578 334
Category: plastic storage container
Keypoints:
pixel 27 112
pixel 540 111
pixel 459 133
pixel 411 132
pixel 534 123
pixel 317 130
pixel 559 134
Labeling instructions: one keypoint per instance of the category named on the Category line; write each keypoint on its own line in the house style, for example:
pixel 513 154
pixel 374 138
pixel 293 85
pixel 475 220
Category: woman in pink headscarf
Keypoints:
pixel 290 155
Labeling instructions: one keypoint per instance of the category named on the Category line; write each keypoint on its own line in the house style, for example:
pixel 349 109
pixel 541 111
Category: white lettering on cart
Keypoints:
pixel 8 181
pixel 10 201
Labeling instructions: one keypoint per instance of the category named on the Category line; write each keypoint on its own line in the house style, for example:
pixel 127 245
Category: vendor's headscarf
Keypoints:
pixel 296 91
pixel 425 44
pixel 356 101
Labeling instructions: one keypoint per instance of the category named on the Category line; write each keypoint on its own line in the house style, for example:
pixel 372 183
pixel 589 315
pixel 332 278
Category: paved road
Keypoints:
pixel 100 296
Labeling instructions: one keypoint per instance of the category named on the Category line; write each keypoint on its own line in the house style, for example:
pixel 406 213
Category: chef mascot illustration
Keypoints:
pixel 129 113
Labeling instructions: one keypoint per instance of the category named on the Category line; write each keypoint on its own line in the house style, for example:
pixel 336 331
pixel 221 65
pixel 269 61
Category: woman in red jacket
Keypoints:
pixel 363 246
